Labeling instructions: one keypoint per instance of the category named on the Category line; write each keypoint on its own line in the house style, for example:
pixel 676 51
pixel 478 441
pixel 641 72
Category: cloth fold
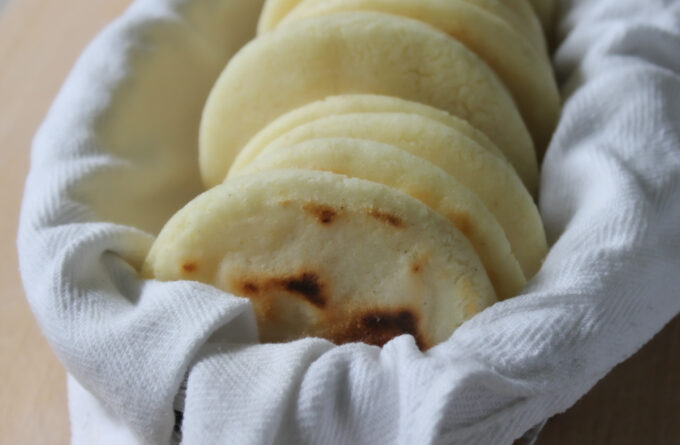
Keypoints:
pixel 116 156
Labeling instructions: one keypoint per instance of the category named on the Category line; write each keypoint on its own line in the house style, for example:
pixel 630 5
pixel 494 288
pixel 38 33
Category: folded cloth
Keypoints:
pixel 116 157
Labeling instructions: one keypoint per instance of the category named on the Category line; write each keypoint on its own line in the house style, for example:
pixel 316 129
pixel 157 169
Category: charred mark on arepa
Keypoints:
pixel 419 262
pixel 378 326
pixel 324 214
pixel 190 266
pixel 307 285
pixel 249 287
pixel 385 217
pixel 403 321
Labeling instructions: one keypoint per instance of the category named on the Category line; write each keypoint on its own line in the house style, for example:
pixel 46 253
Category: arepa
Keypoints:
pixel 486 175
pixel 400 170
pixel 519 14
pixel 356 53
pixel 525 70
pixel 351 104
pixel 321 254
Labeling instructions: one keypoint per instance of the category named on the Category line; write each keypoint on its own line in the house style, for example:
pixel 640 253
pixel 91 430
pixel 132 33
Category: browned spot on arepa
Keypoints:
pixel 307 285
pixel 190 266
pixel 385 217
pixel 378 326
pixel 248 288
pixel 419 262
pixel 324 214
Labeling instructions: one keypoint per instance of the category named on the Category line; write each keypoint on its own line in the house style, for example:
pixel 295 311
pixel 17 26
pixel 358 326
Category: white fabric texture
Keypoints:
pixel 117 156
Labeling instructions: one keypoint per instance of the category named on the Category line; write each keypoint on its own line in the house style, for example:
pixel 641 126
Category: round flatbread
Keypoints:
pixel 400 170
pixel 320 254
pixel 488 176
pixel 525 70
pixel 356 53
pixel 519 15
pixel 350 104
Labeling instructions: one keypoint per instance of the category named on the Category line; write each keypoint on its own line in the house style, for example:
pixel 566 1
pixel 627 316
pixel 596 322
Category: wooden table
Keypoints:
pixel 39 42
pixel 638 403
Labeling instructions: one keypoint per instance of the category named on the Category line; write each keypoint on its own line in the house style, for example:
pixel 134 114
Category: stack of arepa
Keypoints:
pixel 371 167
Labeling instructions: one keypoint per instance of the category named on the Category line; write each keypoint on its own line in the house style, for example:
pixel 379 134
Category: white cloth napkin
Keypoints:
pixel 116 157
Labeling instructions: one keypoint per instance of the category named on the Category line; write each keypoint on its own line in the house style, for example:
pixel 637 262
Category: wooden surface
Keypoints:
pixel 638 403
pixel 39 41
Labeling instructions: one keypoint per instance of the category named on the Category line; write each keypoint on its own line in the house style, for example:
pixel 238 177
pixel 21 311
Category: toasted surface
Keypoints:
pixel 351 104
pixel 400 170
pixel 320 254
pixel 356 53
pixel 488 176
pixel 524 69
